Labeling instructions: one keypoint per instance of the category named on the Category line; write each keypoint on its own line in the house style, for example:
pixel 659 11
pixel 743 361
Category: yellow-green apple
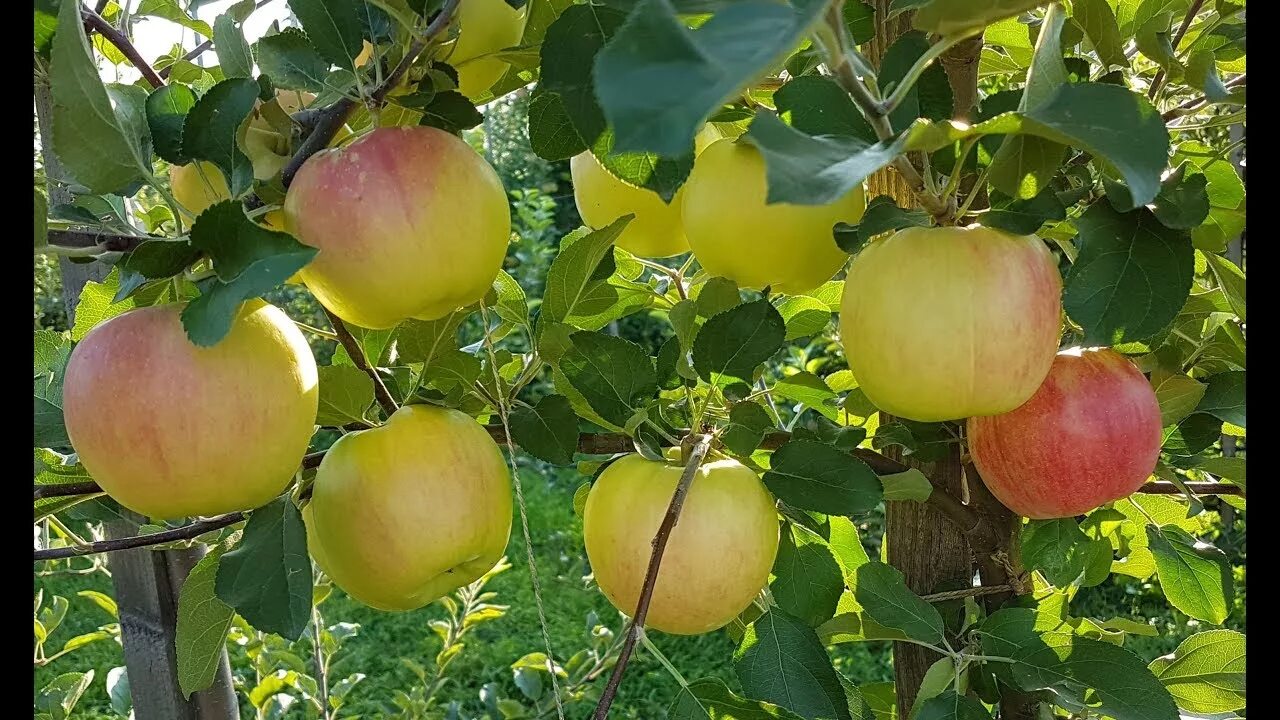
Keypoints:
pixel 656 230
pixel 409 221
pixel 735 234
pixel 1089 435
pixel 718 556
pixel 947 322
pixel 484 27
pixel 170 429
pixel 403 514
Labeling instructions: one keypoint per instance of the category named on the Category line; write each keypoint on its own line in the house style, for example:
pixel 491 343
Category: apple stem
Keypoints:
pixel 701 444
pixel 186 532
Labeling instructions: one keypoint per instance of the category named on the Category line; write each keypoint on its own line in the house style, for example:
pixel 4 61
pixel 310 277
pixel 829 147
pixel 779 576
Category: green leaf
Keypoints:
pixel 209 131
pixel 333 27
pixel 233 52
pixel 956 18
pixel 804 316
pixel 658 81
pixel 809 390
pixel 807 580
pixel 1098 21
pixel 291 62
pixel 647 170
pixel 806 170
pixel 815 476
pixel 1195 576
pixel 56 700
pixel 909 485
pixel 169 10
pixel 91 137
pixel 1154 39
pixel 1056 548
pixel 548 430
pixel 1202 73
pixel 1192 435
pixel 451 111
pixel 1110 680
pixel 41 219
pixel 748 422
pixel 1025 217
pixel 426 341
pixel 614 376
pixel 203 623
pixel 732 343
pixel 551 132
pixel 267 577
pixel 882 215
pixel 930 97
pixel 1224 398
pixel 249 259
pixel 571 279
pixel 155 259
pixel 711 699
pixel 717 295
pixel 1178 395
pixel 97 304
pixel 346 392
pixel 1024 165
pixel 510 302
pixel 883 594
pixel 1205 674
pixel 845 545
pixel 52 468
pixel 950 706
pixel 816 105
pixel 568 54
pixel 1183 202
pixel 781 661
pixel 1131 278
pixel 167 110
pixel 1231 279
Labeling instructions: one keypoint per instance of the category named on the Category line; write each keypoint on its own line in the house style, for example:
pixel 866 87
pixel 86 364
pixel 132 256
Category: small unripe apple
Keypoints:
pixel 485 26
pixel 947 322
pixel 1089 435
pixel 409 221
pixel 717 558
pixel 656 230
pixel 403 514
pixel 170 429
pixel 735 234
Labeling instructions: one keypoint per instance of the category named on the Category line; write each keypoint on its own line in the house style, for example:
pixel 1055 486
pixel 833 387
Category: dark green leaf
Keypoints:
pixel 167 110
pixel 950 706
pixel 1182 203
pixel 155 259
pixel 232 50
pixel 291 62
pixel 883 594
pixel 1024 165
pixel 807 580
pixel 930 97
pixel 646 170
pixel 782 661
pixel 1195 576
pixel 551 132
pixel 209 131
pixel 1056 548
pixel 346 392
pixel 203 622
pixel 732 343
pixel 882 215
pixel 1131 277
pixel 816 105
pixel 748 422
pixel 814 476
pixel 568 54
pixel 570 278
pixel 1225 397
pixel 1025 217
pixel 333 27
pixel 615 376
pixel 451 111
pixel 1192 435
pixel 267 577
pixel 1098 21
pixel 711 699
pixel 548 430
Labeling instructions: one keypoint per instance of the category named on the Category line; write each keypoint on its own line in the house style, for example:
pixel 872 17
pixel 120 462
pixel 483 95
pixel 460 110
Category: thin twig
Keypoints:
pixel 696 455
pixel 1191 105
pixel 197 50
pixel 186 532
pixel 67 490
pixel 1177 38
pixel 352 346
pixel 126 48
pixel 104 241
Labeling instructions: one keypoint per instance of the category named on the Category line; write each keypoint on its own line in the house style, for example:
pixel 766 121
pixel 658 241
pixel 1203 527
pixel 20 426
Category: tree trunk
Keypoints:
pixel 146 582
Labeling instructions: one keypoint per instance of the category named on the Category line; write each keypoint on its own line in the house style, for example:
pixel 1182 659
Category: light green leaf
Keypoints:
pixel 781 661
pixel 1194 575
pixel 1205 674
pixel 203 623
pixel 882 591
pixel 346 392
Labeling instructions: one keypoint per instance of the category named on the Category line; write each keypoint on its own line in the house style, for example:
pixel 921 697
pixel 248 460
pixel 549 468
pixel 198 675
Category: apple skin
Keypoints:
pixel 656 230
pixel 485 26
pixel 171 430
pixel 734 234
pixel 718 556
pixel 403 514
pixel 947 322
pixel 410 222
pixel 1091 434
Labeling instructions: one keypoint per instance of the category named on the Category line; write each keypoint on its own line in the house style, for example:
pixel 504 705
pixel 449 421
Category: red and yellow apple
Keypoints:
pixel 484 27
pixel 718 556
pixel 403 514
pixel 170 430
pixel 948 322
pixel 735 234
pixel 656 230
pixel 409 221
pixel 1089 435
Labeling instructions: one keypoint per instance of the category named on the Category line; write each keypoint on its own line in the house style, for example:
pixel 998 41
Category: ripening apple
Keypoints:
pixel 947 322
pixel 410 222
pixel 735 234
pixel 656 230
pixel 717 559
pixel 484 27
pixel 1089 435
pixel 170 429
pixel 403 514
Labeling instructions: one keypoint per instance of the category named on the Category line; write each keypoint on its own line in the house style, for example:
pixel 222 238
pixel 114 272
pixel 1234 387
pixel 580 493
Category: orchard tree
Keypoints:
pixel 1028 343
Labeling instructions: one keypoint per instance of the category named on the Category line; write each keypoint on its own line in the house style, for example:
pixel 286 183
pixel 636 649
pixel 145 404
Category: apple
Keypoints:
pixel 735 234
pixel 1090 435
pixel 718 556
pixel 170 429
pixel 484 27
pixel 403 514
pixel 656 230
pixel 409 221
pixel 947 322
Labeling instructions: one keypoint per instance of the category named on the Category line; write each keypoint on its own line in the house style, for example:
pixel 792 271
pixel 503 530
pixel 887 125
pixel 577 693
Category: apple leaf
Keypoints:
pixel 807 580
pixel 883 594
pixel 711 699
pixel 346 392
pixel 882 215
pixel 232 50
pixel 950 706
pixel 909 485
pixel 267 577
pixel 548 430
pixel 573 274
pixel 211 125
pixel 1025 217
pixel 732 343
pixel 811 391
pixel 615 376
pixel 1183 202
pixel 815 476
pixel 1205 674
pixel 426 341
pixel 816 105
pixel 782 661
pixel 1224 397
pixel 804 316
pixel 1057 548
pixel 568 54
pixel 333 27
pixel 748 422
pixel 291 62
pixel 1194 575
pixel 956 18
pixel 167 109
pixel 551 133
pixel 202 625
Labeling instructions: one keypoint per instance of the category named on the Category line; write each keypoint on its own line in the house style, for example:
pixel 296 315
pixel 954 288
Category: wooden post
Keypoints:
pixel 146 582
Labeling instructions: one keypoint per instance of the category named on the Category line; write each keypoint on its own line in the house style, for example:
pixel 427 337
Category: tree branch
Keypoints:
pixel 700 447
pixel 126 48
pixel 186 532
pixel 352 346
pixel 1190 106
pixel 104 241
